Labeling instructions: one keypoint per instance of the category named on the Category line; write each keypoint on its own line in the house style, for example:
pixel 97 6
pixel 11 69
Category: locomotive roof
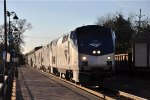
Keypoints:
pixel 35 49
pixel 92 28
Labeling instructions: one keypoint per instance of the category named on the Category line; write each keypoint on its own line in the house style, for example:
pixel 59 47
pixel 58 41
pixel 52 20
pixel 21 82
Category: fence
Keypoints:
pixel 123 62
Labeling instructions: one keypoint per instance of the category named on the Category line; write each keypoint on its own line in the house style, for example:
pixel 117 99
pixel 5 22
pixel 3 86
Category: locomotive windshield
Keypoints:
pixel 94 38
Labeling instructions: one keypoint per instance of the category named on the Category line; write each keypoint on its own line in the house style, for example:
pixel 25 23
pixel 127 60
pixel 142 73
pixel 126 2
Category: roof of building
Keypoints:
pixel 142 38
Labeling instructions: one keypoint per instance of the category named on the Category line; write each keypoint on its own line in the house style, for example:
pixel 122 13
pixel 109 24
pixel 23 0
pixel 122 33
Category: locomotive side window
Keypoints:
pixel 73 37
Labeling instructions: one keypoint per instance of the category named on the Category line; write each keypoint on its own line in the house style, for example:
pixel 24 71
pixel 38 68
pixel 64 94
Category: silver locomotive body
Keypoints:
pixel 84 55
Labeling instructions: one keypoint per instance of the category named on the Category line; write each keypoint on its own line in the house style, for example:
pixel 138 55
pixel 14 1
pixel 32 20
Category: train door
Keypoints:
pixel 69 53
pixel 31 62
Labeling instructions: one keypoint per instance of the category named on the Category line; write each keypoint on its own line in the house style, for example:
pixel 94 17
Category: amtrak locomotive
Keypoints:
pixel 85 55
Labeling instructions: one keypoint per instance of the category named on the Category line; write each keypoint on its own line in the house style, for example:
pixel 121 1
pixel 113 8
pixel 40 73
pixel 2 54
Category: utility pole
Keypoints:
pixel 5 48
pixel 139 22
pixel 5 33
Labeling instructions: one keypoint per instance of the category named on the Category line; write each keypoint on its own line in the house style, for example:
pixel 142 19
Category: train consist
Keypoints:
pixel 85 55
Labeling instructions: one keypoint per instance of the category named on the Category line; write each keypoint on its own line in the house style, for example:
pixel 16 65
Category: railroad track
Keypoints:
pixel 105 93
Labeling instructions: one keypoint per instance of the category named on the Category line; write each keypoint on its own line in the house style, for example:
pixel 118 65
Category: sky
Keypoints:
pixel 53 18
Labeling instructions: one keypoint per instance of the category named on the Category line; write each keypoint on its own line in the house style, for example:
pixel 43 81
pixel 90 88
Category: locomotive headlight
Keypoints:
pixel 98 51
pixel 94 52
pixel 108 58
pixel 84 58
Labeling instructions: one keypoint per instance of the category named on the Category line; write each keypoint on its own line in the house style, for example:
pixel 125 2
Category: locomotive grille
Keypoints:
pixel 84 63
pixel 109 63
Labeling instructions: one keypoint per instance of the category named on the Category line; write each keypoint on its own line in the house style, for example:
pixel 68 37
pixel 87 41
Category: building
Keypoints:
pixel 141 51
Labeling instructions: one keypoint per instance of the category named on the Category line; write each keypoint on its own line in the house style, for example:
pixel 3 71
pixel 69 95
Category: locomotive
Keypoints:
pixel 85 55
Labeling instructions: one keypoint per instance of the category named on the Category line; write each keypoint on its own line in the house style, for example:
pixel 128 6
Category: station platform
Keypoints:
pixel 32 85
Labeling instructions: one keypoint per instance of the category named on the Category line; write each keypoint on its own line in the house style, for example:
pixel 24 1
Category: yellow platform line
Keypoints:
pixel 13 96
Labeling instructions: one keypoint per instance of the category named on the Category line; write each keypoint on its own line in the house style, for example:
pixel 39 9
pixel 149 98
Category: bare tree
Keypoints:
pixel 18 28
pixel 22 25
pixel 1 35
pixel 125 28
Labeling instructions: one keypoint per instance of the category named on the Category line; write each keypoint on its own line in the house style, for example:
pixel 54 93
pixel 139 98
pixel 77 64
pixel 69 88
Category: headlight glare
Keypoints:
pixel 98 51
pixel 94 52
pixel 108 58
pixel 84 58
